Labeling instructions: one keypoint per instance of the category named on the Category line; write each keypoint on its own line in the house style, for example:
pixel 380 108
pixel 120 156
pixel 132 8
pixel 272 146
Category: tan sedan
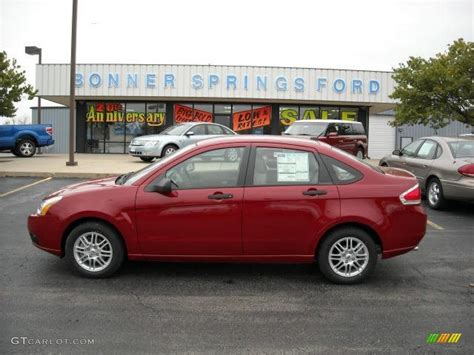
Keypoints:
pixel 443 166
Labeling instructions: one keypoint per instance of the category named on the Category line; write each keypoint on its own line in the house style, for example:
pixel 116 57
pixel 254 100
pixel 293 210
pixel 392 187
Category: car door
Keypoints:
pixel 420 164
pixel 407 153
pixel 202 215
pixel 346 141
pixel 194 134
pixel 288 198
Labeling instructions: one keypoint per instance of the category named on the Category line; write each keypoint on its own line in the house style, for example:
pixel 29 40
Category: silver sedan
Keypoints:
pixel 443 166
pixel 173 138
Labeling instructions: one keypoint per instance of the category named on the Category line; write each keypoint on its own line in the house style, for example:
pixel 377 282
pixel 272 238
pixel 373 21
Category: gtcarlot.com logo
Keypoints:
pixel 443 338
pixel 50 341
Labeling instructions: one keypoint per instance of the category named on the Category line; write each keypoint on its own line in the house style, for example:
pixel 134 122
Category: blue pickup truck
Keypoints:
pixel 22 140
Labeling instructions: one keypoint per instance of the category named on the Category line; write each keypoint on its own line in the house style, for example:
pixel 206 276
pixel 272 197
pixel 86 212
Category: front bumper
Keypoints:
pixel 142 151
pixel 45 233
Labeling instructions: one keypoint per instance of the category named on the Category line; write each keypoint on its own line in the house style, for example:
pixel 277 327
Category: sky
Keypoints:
pixel 341 34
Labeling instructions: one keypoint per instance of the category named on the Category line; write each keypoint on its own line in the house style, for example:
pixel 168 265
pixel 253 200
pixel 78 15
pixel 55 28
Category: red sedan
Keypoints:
pixel 277 200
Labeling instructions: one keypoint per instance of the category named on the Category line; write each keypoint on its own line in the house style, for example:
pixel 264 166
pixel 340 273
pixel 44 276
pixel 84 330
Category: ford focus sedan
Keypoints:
pixel 282 200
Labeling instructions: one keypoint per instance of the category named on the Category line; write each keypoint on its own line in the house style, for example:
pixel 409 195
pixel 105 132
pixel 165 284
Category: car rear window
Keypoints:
pixel 462 149
pixel 358 129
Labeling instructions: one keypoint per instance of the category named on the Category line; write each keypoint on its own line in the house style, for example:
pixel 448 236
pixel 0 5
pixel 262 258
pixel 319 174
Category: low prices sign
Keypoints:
pixel 255 118
pixel 187 114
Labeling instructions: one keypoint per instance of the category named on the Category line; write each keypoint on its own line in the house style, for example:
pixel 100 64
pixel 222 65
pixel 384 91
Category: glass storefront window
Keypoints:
pixel 241 119
pixel 135 121
pixel 261 119
pixel 288 115
pixel 223 109
pixel 156 117
pixel 349 114
pixel 192 113
pixel 330 113
pixel 309 113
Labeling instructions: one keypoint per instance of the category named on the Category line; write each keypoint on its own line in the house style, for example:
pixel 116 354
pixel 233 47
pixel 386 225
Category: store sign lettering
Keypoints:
pixel 187 114
pixel 112 113
pixel 255 118
pixel 229 82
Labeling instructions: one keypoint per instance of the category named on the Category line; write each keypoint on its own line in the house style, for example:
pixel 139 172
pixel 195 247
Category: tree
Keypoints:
pixel 12 85
pixel 438 90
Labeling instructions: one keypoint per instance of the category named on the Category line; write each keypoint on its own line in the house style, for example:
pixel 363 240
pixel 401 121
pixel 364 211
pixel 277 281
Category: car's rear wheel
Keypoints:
pixel 435 196
pixel 169 149
pixel 26 148
pixel 147 159
pixel 347 256
pixel 360 153
pixel 95 250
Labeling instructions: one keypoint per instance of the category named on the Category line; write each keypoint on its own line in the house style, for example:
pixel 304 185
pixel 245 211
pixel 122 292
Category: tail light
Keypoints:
pixel 467 170
pixel 411 196
pixel 49 130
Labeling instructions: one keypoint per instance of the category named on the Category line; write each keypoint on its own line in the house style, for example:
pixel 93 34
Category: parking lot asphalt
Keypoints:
pixel 225 308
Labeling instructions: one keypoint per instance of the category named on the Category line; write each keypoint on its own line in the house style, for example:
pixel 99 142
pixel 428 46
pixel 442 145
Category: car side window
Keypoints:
pixel 331 128
pixel 213 169
pixel 228 131
pixel 198 130
pixel 439 151
pixel 213 129
pixel 358 129
pixel 340 172
pixel 410 149
pixel 277 166
pixel 427 150
pixel 345 129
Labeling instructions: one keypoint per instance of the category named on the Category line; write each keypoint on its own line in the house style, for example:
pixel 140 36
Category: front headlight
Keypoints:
pixel 46 205
pixel 151 144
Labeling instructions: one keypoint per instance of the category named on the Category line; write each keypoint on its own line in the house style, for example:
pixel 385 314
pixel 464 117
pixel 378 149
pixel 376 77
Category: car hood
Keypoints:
pixel 88 186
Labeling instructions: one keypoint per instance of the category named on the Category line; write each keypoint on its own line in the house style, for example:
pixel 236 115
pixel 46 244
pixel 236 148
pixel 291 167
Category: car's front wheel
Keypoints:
pixel 169 149
pixel 435 196
pixel 95 250
pixel 347 256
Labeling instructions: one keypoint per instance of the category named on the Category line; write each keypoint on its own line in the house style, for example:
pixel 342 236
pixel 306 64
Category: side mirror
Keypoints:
pixel 189 134
pixel 332 134
pixel 164 186
pixel 397 152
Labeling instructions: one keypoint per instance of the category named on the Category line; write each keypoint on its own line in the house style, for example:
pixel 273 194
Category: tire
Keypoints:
pixel 360 153
pixel 434 194
pixel 15 152
pixel 147 159
pixel 112 252
pixel 335 244
pixel 168 150
pixel 26 148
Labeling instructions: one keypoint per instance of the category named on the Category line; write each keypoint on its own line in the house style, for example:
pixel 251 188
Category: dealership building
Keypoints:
pixel 116 102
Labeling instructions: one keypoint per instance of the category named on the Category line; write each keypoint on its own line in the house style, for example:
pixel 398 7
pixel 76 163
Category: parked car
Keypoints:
pixel 282 200
pixel 23 140
pixel 176 137
pixel 444 167
pixel 346 135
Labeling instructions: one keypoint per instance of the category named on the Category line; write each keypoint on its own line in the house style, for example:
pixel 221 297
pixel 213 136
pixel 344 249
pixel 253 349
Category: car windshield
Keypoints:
pixel 176 130
pixel 306 129
pixel 462 149
pixel 134 176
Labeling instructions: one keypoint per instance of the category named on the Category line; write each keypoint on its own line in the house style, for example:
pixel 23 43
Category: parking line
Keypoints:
pixel 434 225
pixel 25 187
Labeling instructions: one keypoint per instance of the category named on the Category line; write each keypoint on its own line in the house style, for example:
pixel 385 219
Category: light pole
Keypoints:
pixel 72 81
pixel 33 50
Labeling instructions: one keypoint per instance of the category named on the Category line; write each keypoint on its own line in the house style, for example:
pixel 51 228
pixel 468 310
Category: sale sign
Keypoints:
pixel 188 114
pixel 255 118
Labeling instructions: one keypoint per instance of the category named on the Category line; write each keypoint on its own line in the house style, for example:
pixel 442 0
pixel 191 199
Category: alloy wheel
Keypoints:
pixel 433 193
pixel 93 251
pixel 169 150
pixel 26 148
pixel 348 257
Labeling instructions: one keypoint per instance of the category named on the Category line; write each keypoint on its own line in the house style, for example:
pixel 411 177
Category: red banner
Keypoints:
pixel 255 118
pixel 187 114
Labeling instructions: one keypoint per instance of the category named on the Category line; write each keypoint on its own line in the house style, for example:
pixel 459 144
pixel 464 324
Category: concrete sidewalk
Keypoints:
pixel 89 166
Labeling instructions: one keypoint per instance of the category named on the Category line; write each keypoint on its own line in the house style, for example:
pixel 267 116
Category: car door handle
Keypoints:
pixel 219 196
pixel 314 192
